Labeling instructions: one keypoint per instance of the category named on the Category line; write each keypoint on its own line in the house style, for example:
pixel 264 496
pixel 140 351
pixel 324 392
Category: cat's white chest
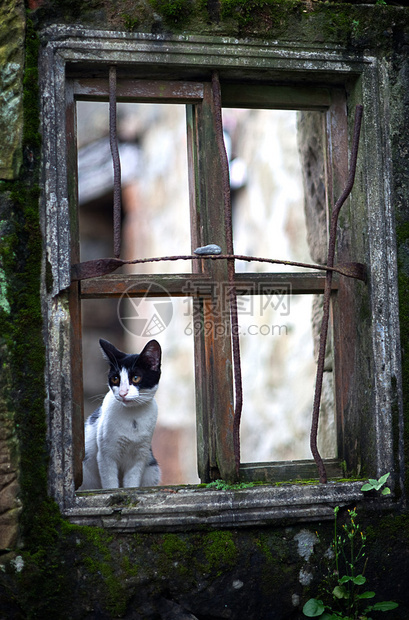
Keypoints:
pixel 128 442
pixel 124 429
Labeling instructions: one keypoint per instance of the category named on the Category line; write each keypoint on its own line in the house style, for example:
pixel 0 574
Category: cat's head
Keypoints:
pixel 133 379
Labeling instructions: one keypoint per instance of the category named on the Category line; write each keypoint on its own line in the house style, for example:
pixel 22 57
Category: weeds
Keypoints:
pixel 349 600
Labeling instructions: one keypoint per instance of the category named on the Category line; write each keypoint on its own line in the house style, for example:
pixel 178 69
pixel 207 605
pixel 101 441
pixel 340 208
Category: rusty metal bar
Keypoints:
pixel 103 266
pixel 327 295
pixel 217 102
pixel 113 141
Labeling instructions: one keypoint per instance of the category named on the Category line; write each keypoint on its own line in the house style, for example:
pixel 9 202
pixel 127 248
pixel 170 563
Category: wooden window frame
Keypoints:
pixel 213 348
pixel 66 60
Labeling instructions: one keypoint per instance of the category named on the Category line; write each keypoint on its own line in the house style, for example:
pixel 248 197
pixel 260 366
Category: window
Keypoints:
pixel 365 361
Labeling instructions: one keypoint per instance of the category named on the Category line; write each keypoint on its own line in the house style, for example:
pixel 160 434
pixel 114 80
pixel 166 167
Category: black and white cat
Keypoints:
pixel 118 435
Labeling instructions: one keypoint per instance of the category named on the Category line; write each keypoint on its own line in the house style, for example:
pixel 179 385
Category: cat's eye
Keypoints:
pixel 136 379
pixel 115 380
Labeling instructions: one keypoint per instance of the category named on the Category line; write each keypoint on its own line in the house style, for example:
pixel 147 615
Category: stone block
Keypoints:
pixel 12 29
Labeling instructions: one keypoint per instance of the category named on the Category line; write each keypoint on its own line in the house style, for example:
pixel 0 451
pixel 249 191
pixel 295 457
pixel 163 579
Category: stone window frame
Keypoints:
pixel 373 443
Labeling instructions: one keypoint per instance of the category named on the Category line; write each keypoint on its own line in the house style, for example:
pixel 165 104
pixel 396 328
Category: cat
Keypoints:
pixel 118 435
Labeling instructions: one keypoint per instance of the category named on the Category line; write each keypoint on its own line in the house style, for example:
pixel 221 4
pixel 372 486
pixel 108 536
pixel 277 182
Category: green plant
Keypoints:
pixel 355 27
pixel 376 485
pixel 222 485
pixel 349 601
pixel 130 23
pixel 173 11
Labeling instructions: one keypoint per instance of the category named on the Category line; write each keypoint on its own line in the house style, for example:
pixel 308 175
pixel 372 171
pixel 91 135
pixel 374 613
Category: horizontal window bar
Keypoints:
pixel 191 285
pixel 139 90
pixel 280 97
pixel 286 471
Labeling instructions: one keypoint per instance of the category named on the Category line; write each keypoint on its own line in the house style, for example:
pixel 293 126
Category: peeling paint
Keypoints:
pixel 18 563
pixel 4 304
pixel 306 541
pixel 305 577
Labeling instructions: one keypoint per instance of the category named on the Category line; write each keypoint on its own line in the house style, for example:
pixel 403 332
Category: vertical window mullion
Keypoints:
pixel 214 380
pixel 342 302
pixel 345 304
pixel 205 453
pixel 74 295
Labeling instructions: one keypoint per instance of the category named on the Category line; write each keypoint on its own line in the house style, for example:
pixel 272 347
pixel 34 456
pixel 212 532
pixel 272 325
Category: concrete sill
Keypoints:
pixel 192 507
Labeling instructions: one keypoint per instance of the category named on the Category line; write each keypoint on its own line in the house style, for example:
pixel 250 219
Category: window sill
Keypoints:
pixel 191 507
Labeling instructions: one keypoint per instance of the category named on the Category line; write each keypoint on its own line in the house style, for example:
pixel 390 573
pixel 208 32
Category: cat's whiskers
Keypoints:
pixel 97 399
pixel 137 399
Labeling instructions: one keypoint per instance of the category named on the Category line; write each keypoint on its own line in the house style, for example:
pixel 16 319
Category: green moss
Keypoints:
pixel 99 564
pixel 220 551
pixel 69 555
pixel 211 553
pixel 31 135
pixel 277 557
pixel 130 569
pixel 259 15
pixel 174 547
pixel 45 585
pixel 131 23
pixel 20 256
pixel 174 12
pixel 395 527
pixel 174 555
pixel 70 10
pixel 348 23
pixel 44 573
pixel 355 25
pixel 403 284
pixel 222 485
pixel 402 235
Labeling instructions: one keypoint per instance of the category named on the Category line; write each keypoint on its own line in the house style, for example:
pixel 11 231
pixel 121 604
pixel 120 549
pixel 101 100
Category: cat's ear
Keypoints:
pixel 152 354
pixel 111 353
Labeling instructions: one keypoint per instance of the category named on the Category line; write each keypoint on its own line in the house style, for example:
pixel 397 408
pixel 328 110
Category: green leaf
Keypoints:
pixel 374 483
pixel 313 608
pixel 385 606
pixel 366 594
pixel 340 592
pixel 344 579
pixel 386 491
pixel 383 478
pixel 359 580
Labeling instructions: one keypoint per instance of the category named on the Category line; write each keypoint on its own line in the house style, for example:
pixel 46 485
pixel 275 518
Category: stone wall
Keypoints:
pixel 51 568
pixel 12 25
pixel 12 35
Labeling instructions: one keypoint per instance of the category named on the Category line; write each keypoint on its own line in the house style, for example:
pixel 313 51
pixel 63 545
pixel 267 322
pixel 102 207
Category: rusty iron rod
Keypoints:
pixel 327 296
pixel 103 266
pixel 217 104
pixel 113 141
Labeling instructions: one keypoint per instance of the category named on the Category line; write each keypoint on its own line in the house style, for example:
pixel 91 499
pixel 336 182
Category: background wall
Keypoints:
pixel 54 569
